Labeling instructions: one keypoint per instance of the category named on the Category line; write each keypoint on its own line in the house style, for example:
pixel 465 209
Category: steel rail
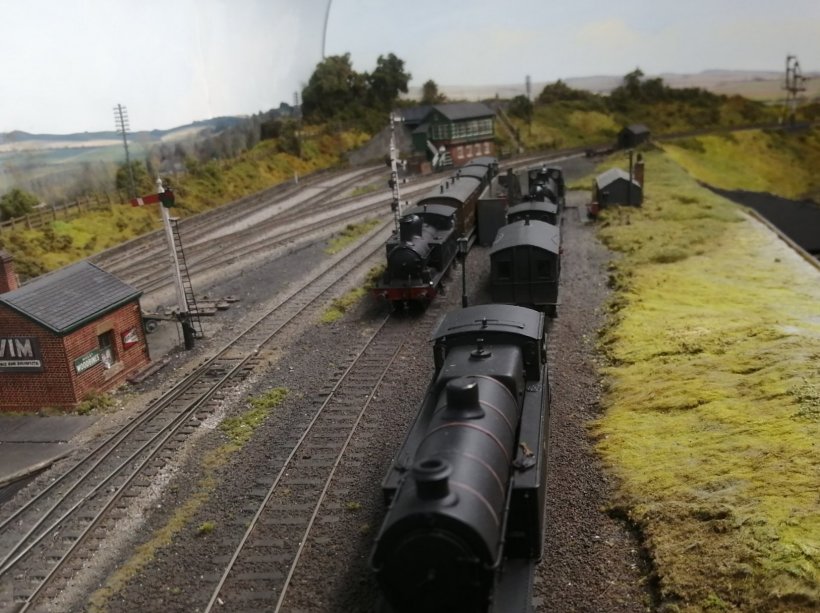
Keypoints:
pixel 342 260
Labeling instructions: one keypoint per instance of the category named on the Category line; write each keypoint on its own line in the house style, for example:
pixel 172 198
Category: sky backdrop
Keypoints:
pixel 67 63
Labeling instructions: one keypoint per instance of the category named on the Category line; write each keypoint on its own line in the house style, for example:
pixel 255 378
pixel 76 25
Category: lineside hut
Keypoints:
pixel 67 334
pixel 614 187
pixel 525 265
pixel 633 135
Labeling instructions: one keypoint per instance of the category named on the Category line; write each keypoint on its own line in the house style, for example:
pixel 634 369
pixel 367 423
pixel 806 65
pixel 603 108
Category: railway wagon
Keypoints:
pixel 466 489
pixel 525 265
pixel 540 211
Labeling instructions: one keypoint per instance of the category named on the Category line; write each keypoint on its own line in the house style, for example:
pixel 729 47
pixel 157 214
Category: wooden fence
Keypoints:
pixel 44 216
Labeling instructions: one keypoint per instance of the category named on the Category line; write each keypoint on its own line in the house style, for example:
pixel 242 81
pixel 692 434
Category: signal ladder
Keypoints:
pixel 187 288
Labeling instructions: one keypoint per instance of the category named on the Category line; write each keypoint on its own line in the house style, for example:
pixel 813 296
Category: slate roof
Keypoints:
pixel 636 128
pixel 612 175
pixel 68 298
pixel 416 115
pixel 464 110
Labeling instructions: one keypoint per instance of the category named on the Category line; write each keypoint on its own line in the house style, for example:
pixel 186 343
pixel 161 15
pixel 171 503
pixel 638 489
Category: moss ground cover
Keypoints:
pixel 712 421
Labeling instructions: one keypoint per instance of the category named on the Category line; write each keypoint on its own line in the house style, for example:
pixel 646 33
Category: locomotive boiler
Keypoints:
pixel 466 489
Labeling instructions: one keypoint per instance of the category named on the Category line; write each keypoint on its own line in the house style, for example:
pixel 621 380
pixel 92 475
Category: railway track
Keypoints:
pixel 282 522
pixel 221 241
pixel 69 520
pixel 282 198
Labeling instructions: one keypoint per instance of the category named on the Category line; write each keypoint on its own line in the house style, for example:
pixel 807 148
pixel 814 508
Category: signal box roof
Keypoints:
pixel 68 298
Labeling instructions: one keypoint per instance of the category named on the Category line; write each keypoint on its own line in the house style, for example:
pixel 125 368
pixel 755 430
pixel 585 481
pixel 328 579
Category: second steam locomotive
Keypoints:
pixel 425 244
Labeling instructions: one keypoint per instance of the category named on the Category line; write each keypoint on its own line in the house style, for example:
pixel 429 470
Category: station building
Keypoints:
pixel 65 335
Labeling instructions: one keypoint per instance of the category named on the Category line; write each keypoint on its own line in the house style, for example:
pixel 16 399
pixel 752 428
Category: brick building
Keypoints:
pixel 66 334
pixel 451 134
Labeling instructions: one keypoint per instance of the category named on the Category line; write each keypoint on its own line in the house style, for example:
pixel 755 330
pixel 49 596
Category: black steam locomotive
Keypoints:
pixel 466 489
pixel 546 183
pixel 424 248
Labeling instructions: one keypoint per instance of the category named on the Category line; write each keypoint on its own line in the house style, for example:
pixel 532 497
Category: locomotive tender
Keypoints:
pixel 425 246
pixel 466 489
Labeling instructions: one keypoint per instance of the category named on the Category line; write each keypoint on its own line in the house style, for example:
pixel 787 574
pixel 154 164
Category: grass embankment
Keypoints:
pixel 204 187
pixel 566 124
pixel 238 431
pixel 783 163
pixel 712 420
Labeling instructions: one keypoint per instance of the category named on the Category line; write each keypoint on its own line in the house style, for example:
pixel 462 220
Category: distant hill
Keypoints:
pixel 18 141
pixel 763 85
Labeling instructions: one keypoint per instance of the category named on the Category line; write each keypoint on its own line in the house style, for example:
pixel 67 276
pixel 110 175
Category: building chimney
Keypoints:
pixel 8 280
pixel 637 172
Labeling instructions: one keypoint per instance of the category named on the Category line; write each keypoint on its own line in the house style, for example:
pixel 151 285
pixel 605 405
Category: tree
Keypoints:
pixel 387 81
pixel 143 183
pixel 521 107
pixel 17 203
pixel 561 92
pixel 632 82
pixel 334 90
pixel 430 93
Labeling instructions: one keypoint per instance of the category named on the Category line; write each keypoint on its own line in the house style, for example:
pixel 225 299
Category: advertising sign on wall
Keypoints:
pixel 84 362
pixel 130 338
pixel 20 354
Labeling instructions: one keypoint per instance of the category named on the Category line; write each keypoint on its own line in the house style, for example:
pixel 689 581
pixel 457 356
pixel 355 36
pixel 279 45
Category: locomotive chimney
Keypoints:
pixel 8 279
pixel 409 227
pixel 432 477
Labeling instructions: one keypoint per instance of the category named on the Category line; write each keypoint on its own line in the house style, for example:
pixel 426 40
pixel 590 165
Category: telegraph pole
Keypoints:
pixel 121 123
pixel 795 83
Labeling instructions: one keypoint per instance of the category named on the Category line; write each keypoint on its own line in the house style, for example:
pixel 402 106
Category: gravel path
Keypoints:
pixel 593 562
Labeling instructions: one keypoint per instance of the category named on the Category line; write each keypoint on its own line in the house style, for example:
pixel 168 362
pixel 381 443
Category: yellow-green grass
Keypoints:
pixel 565 125
pixel 204 187
pixel 339 306
pixel 350 234
pixel 712 399
pixel 239 430
pixel 781 163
